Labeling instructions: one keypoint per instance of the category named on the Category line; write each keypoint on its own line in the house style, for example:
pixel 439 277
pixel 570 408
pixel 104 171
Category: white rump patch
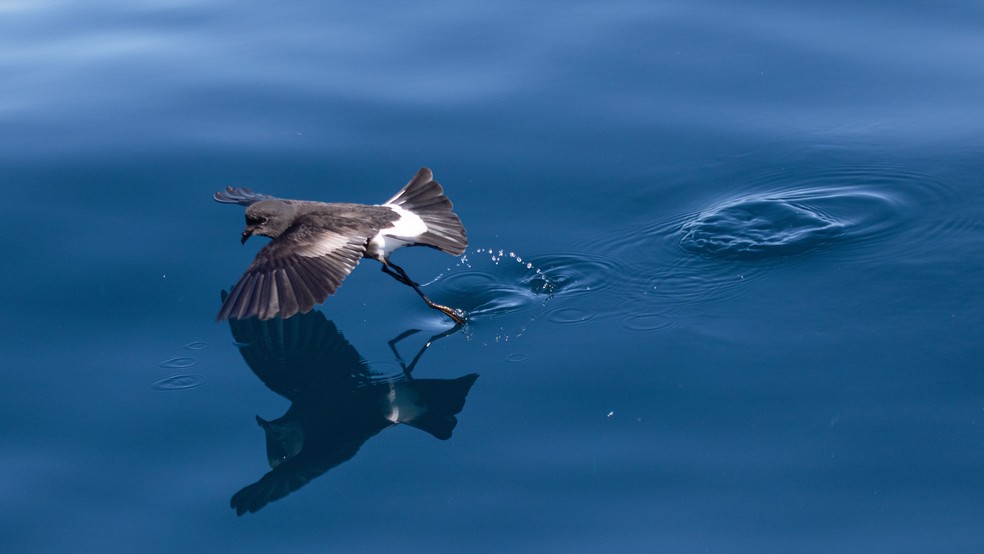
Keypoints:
pixel 402 404
pixel 408 226
pixel 402 233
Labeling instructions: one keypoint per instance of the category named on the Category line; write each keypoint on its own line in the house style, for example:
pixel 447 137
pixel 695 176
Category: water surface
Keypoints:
pixel 723 279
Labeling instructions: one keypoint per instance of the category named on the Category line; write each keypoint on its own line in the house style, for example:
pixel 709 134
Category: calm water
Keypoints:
pixel 724 280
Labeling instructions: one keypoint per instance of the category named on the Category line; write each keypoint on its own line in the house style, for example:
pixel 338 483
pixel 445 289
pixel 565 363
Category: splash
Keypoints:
pixel 784 223
pixel 495 282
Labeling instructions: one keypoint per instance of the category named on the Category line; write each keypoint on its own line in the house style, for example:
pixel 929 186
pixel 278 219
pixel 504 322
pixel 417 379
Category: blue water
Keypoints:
pixel 724 280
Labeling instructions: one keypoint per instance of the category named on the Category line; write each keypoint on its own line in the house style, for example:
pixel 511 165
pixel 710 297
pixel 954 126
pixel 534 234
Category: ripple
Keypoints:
pixel 489 282
pixel 659 271
pixel 579 273
pixel 681 278
pixel 177 363
pixel 386 368
pixel 481 293
pixel 863 213
pixel 807 205
pixel 645 322
pixel 180 382
pixel 517 358
pixel 875 212
pixel 570 316
pixel 196 346
pixel 787 223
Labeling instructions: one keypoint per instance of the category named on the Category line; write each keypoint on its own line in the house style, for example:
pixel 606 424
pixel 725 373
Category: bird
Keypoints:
pixel 317 244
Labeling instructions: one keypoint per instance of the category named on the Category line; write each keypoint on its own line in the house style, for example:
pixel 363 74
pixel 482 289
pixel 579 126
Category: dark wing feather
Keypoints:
pixel 295 271
pixel 241 196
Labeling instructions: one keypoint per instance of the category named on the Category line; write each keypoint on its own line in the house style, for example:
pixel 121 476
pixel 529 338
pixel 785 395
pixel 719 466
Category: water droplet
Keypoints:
pixel 491 288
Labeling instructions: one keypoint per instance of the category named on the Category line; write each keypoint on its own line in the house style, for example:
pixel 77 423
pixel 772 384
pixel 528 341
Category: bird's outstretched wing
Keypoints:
pixel 295 355
pixel 292 475
pixel 241 196
pixel 295 271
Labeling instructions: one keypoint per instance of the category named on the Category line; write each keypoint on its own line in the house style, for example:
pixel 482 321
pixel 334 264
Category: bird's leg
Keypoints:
pixel 392 345
pixel 407 369
pixel 401 278
pixel 400 275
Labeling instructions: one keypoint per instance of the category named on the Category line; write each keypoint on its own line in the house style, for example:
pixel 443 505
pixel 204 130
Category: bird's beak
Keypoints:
pixel 246 234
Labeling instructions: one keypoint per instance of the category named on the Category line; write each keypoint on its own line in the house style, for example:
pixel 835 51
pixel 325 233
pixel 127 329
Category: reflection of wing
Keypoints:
pixel 292 355
pixel 289 476
pixel 295 271
pixel 241 196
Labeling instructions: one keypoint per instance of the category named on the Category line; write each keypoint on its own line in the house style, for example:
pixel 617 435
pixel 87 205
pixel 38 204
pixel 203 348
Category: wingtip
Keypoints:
pixel 239 195
pixel 223 314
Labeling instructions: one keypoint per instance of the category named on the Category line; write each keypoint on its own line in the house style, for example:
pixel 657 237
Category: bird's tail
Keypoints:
pixel 424 197
pixel 436 403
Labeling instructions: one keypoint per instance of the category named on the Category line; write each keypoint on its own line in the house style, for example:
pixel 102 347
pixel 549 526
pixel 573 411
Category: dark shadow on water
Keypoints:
pixel 337 401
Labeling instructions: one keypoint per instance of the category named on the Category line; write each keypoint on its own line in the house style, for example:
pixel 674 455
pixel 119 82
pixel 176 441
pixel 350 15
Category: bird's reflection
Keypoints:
pixel 337 401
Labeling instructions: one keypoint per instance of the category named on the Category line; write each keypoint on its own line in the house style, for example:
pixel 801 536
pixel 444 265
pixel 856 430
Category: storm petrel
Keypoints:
pixel 316 244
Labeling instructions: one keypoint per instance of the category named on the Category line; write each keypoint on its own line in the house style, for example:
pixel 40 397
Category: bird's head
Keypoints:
pixel 269 218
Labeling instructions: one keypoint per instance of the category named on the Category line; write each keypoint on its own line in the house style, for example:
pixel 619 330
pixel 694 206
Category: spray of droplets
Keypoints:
pixel 499 255
pixel 518 276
